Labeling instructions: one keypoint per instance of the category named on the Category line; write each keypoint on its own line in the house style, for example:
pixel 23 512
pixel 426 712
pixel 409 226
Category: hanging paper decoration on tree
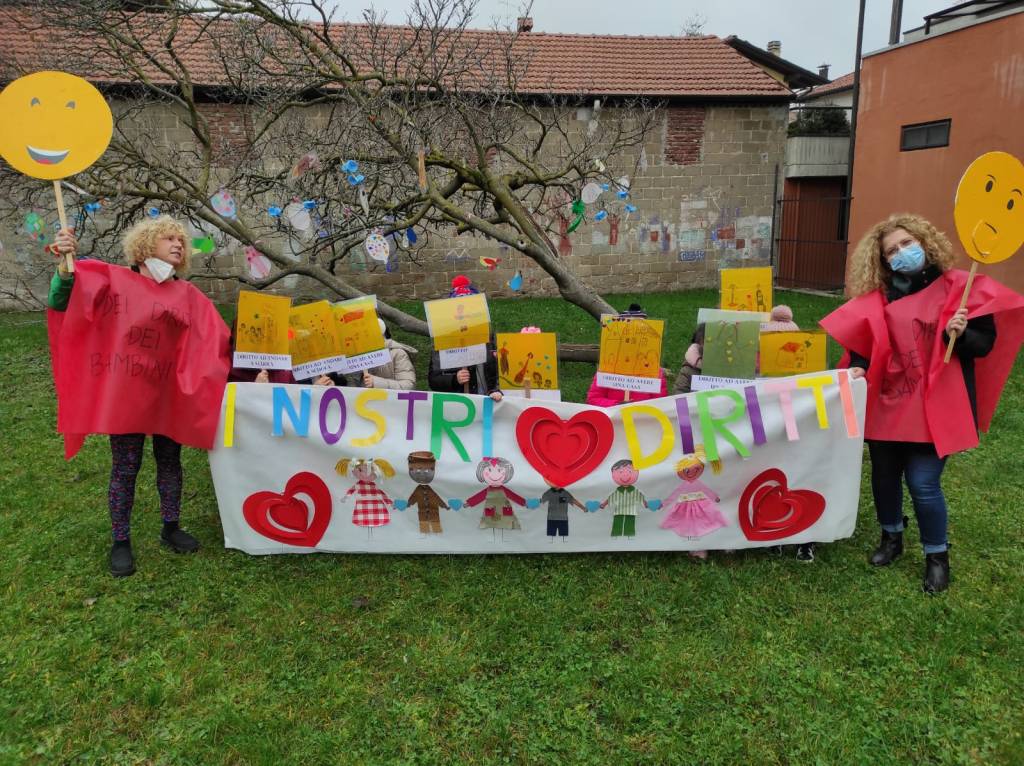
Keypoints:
pixel 203 245
pixel 223 204
pixel 578 210
pixel 590 193
pixel 259 265
pixel 298 217
pixel 306 163
pixel 376 247
pixel 274 211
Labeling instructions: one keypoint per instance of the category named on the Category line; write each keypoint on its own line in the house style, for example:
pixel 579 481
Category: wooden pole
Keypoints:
pixel 69 260
pixel 625 397
pixel 526 389
pixel 963 304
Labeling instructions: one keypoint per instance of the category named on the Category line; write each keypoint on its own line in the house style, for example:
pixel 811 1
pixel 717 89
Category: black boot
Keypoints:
pixel 177 538
pixel 890 548
pixel 936 572
pixel 122 561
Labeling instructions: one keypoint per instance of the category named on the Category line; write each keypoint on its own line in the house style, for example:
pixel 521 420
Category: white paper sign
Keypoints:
pixel 256 361
pixel 629 382
pixel 457 358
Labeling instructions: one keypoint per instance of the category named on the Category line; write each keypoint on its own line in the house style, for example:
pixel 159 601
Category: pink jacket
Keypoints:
pixel 599 396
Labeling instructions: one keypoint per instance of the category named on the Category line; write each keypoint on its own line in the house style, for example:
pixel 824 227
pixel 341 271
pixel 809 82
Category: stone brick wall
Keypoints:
pixel 703 198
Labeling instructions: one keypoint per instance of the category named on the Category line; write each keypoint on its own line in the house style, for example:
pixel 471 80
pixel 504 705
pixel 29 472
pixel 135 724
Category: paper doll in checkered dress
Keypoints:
pixel 371 501
pixel 495 472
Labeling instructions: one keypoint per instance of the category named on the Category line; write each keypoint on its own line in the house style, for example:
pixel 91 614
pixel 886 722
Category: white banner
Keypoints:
pixel 304 468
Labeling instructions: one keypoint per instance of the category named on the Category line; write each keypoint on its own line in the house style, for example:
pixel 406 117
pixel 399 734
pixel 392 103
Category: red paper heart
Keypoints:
pixel 769 510
pixel 285 517
pixel 564 451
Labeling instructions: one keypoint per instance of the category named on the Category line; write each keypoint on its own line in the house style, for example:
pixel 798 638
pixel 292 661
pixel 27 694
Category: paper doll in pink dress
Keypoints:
pixel 694 513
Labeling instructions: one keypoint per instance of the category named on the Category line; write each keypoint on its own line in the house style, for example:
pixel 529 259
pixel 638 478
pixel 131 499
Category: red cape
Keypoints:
pixel 859 326
pixel 133 356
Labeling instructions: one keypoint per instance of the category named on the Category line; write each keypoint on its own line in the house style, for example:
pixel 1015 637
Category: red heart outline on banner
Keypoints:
pixel 564 451
pixel 769 510
pixel 285 518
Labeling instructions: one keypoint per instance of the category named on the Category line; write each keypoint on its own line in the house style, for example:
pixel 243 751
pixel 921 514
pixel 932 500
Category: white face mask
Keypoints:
pixel 160 270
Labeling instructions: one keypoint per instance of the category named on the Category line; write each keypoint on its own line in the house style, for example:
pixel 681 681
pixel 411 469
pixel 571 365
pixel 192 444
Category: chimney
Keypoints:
pixel 524 24
pixel 823 70
pixel 775 47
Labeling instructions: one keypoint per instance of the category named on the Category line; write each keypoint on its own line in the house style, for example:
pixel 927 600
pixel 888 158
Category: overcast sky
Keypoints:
pixel 812 32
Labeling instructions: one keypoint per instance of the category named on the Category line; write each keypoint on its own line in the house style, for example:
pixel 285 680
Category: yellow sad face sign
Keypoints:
pixel 54 125
pixel 989 208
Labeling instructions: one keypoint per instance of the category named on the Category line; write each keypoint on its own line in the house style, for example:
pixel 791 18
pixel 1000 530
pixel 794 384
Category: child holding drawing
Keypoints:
pixel 600 396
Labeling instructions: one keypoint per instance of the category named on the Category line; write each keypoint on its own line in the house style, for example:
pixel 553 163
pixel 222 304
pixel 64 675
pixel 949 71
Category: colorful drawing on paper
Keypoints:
pixel 458 322
pixel 55 125
pixel 631 347
pixel 358 326
pixel 314 338
pixel 792 353
pixel 747 289
pixel 730 349
pixel 527 360
pixel 262 323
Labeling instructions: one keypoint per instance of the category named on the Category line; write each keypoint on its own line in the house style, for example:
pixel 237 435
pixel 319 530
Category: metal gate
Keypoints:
pixel 810 247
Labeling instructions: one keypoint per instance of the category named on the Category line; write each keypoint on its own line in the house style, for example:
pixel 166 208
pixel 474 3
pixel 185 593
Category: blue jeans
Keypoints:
pixel 922 467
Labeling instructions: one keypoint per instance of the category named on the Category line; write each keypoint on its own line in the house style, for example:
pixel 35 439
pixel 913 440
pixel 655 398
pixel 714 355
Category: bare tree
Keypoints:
pixel 449 127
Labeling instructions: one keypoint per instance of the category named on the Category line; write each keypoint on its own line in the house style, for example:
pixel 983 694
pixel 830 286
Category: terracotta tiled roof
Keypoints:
pixel 839 84
pixel 593 65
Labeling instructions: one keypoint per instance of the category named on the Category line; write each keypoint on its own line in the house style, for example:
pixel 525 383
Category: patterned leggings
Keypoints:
pixel 126 450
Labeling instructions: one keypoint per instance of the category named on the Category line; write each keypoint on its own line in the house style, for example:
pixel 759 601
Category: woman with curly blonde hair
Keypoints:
pixel 166 363
pixel 904 310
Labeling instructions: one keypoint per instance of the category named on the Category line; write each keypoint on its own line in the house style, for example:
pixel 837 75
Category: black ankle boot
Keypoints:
pixel 122 561
pixel 177 538
pixel 890 548
pixel 936 572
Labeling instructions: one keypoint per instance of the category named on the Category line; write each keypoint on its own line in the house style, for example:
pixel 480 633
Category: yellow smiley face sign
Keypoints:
pixel 989 208
pixel 54 125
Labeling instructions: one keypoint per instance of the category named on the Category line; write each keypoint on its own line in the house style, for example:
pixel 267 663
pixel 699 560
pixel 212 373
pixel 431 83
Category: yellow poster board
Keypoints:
pixel 792 353
pixel 261 331
pixel 746 289
pixel 527 359
pixel 315 344
pixel 362 341
pixel 630 355
pixel 358 327
pixel 458 322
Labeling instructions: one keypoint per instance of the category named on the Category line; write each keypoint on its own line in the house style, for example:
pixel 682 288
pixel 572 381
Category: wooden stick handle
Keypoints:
pixel 526 389
pixel 465 386
pixel 625 397
pixel 963 304
pixel 69 259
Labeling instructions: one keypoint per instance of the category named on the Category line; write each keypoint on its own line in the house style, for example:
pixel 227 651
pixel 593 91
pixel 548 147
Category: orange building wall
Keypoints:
pixel 973 76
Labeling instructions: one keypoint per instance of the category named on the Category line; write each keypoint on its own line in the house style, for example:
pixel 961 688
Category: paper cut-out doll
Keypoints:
pixel 428 502
pixel 496 472
pixel 694 513
pixel 626 501
pixel 372 502
pixel 558 500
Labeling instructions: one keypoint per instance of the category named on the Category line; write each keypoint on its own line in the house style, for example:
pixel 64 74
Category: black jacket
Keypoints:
pixel 977 340
pixel 483 378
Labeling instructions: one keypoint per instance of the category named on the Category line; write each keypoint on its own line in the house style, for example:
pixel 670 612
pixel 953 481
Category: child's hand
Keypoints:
pixel 263 377
pixel 323 380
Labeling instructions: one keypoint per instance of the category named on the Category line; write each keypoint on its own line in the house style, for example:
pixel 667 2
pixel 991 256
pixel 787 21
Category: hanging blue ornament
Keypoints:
pixel 410 235
pixel 349 166
pixel 309 204
pixel 274 211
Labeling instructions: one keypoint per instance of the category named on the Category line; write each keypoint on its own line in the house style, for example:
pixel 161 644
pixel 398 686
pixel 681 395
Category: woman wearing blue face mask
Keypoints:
pixel 919 410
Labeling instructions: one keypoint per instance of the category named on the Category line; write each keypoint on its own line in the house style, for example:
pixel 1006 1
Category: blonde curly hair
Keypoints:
pixel 140 240
pixel 868 268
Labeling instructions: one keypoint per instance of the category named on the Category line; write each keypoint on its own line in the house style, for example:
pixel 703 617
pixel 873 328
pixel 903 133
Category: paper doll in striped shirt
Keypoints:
pixel 372 502
pixel 626 501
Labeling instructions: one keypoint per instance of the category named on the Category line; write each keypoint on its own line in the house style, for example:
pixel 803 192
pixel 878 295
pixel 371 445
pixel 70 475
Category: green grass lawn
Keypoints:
pixel 606 659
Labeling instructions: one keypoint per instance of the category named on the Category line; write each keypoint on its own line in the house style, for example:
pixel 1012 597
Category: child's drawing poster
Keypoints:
pixel 261 331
